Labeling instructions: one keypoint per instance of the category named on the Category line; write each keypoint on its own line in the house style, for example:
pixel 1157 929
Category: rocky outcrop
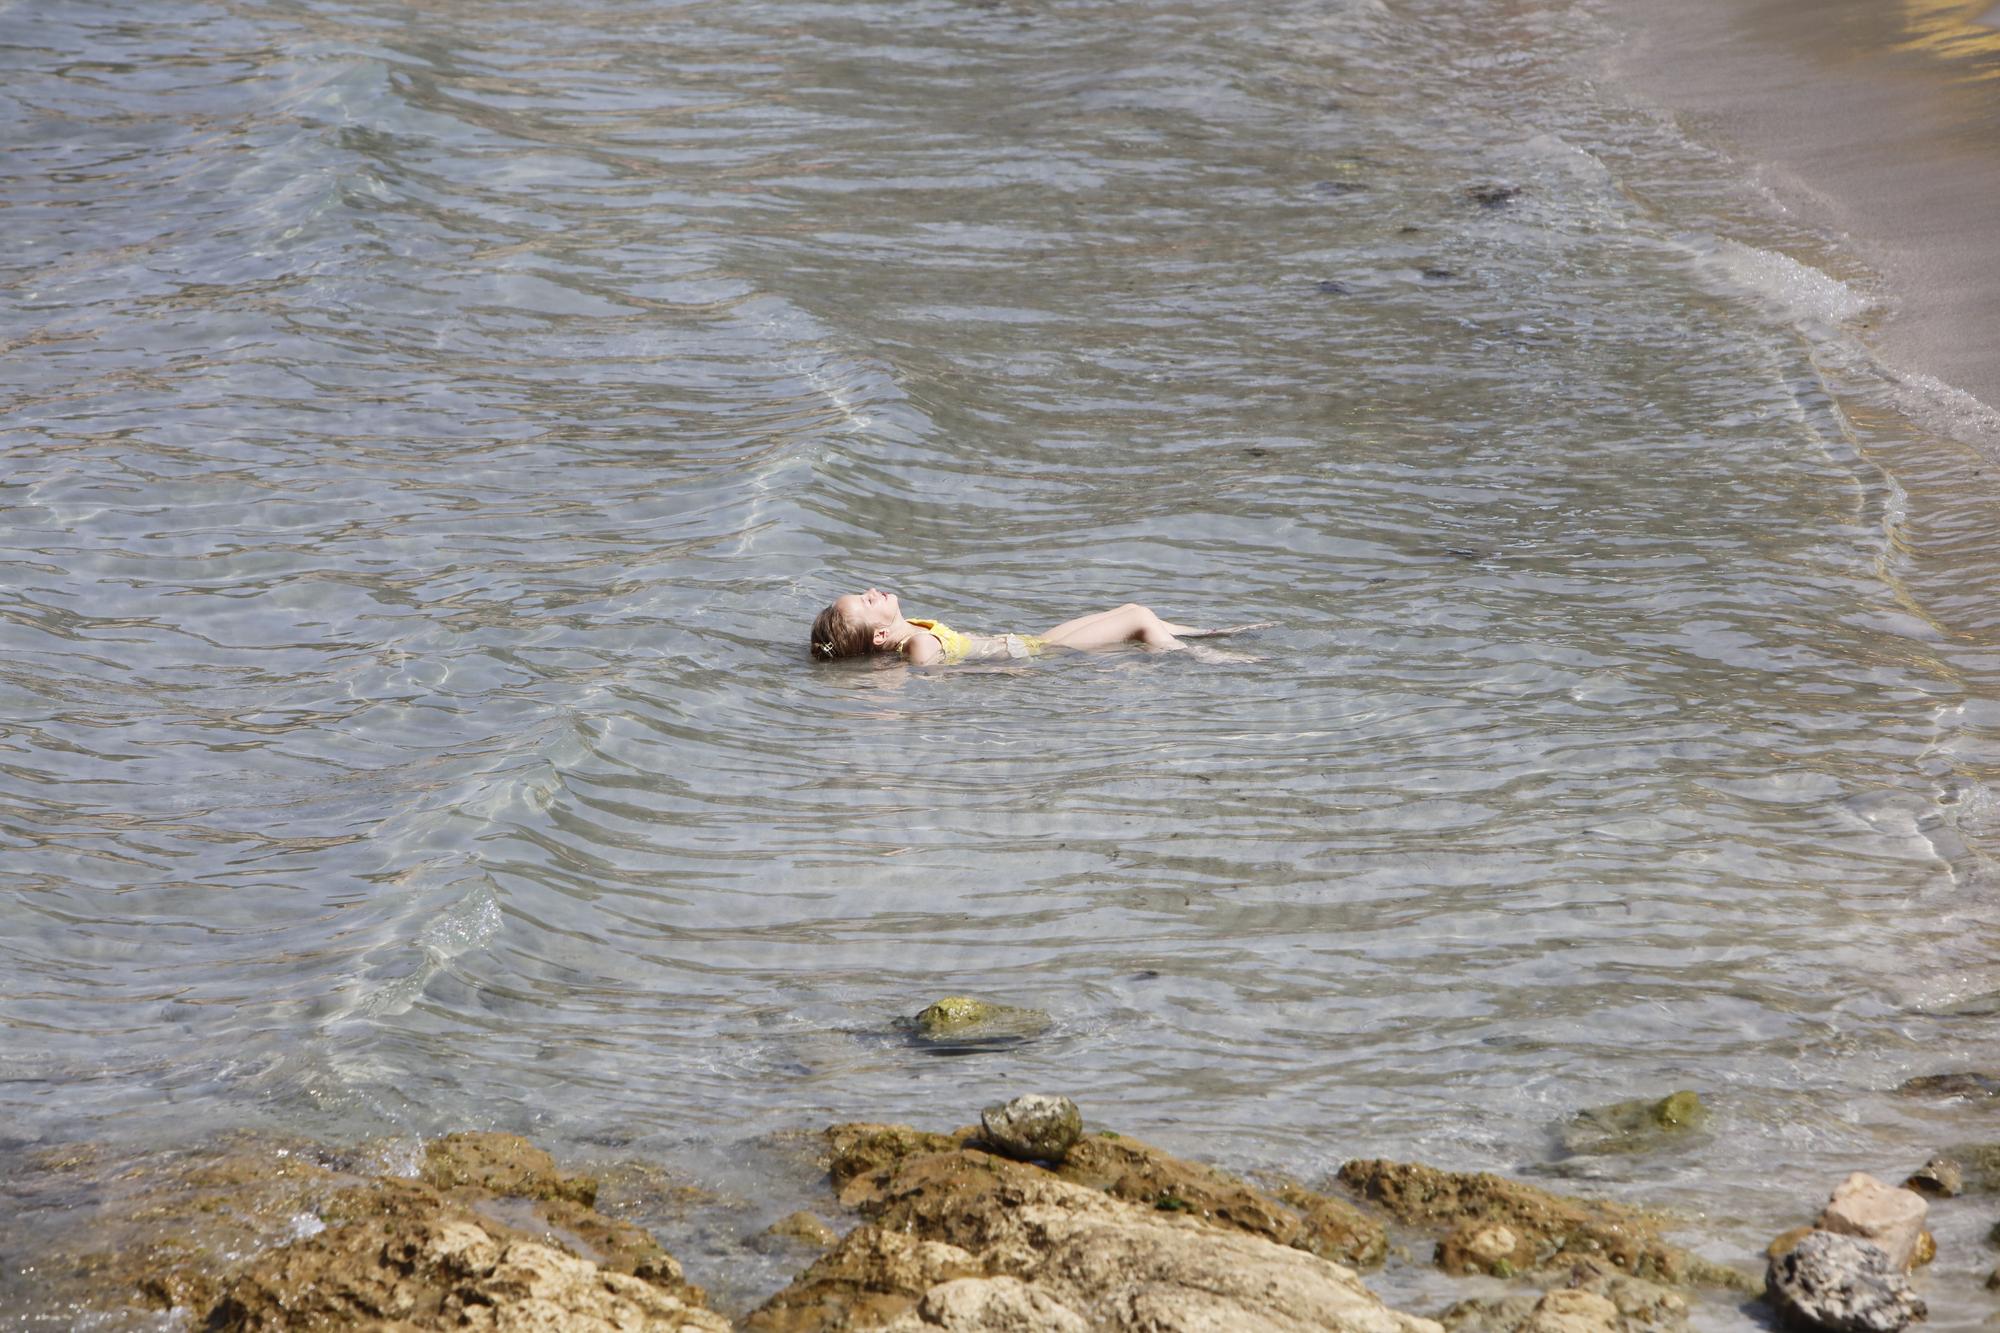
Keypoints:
pixel 267 1234
pixel 872 1169
pixel 1502 1227
pixel 966 1241
pixel 418 1262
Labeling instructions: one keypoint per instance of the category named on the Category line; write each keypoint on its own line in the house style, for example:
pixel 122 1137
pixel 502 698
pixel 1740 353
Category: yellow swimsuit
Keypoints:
pixel 978 647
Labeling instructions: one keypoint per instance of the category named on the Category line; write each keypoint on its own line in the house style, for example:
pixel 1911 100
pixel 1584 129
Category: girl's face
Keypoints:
pixel 872 610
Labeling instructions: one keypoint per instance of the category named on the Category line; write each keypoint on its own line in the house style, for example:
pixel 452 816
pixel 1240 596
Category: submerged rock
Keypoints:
pixel 1964 1083
pixel 1940 1177
pixel 1884 1215
pixel 1634 1126
pixel 1492 195
pixel 961 1238
pixel 800 1228
pixel 966 1023
pixel 1979 1167
pixel 1479 1213
pixel 1841 1284
pixel 1033 1128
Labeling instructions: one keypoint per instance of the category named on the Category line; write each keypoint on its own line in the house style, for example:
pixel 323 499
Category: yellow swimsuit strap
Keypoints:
pixel 955 645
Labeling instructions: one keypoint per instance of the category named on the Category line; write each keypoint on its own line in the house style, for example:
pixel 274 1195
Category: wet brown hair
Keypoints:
pixel 835 636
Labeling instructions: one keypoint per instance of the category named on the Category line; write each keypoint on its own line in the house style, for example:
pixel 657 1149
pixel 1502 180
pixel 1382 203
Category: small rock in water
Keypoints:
pixel 1966 1083
pixel 1492 196
pixel 1033 1128
pixel 1940 1178
pixel 1889 1217
pixel 964 1023
pixel 1566 1311
pixel 800 1228
pixel 1842 1284
pixel 1488 1247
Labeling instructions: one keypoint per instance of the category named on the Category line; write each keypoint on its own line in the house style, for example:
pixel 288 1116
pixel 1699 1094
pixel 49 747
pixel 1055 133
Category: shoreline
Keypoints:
pixel 1879 125
pixel 1030 1220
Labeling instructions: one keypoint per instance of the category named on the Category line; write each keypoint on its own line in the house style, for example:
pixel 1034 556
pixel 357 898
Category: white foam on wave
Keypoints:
pixel 468 924
pixel 1796 292
pixel 1951 411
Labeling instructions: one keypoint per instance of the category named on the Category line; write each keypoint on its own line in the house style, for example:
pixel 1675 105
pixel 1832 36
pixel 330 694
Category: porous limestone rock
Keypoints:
pixel 1841 1284
pixel 1034 1127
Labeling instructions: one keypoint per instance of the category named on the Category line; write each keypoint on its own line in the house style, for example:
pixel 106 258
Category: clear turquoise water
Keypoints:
pixel 428 431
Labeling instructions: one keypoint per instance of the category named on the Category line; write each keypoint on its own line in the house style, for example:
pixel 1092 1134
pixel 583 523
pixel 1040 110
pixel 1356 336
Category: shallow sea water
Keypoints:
pixel 429 430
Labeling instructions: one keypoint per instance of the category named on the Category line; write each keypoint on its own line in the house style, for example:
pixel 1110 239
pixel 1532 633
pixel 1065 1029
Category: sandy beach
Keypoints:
pixel 1879 122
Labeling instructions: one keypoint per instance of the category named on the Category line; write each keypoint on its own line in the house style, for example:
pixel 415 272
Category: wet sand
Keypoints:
pixel 1878 120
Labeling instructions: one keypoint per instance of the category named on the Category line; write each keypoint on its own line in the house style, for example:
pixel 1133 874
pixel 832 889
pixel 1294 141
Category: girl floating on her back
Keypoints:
pixel 862 623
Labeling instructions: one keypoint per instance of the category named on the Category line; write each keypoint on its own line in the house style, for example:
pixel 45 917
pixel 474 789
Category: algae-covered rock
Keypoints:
pixel 1334 1228
pixel 174 1223
pixel 800 1228
pixel 264 1233
pixel 444 1267
pixel 867 1279
pixel 1546 1228
pixel 856 1150
pixel 965 1023
pixel 1083 1259
pixel 504 1164
pixel 1978 1167
pixel 884 1170
pixel 1034 1127
pixel 1639 1125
